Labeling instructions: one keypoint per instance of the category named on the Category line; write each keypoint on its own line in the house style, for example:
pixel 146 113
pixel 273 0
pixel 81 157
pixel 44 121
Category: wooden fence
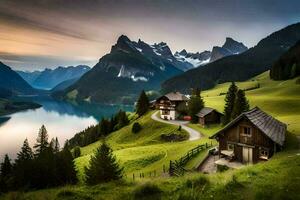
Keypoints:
pixel 176 167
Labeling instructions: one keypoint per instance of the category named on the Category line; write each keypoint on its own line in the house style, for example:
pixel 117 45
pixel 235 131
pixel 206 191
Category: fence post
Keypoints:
pixel 164 168
pixel 133 176
pixel 206 144
pixel 211 143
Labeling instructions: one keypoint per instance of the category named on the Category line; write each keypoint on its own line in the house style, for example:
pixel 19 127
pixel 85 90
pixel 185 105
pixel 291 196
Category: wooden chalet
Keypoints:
pixel 168 104
pixel 209 116
pixel 251 137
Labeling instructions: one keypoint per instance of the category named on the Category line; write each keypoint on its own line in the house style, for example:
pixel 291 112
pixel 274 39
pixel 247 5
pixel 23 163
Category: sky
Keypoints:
pixel 38 34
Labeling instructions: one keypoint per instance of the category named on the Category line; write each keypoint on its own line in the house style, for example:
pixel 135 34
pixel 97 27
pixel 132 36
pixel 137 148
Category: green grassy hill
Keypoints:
pixel 278 178
pixel 143 152
pixel 281 99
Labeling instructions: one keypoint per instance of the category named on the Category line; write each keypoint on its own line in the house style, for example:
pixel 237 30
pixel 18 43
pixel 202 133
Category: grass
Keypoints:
pixel 278 98
pixel 144 152
pixel 275 179
pixel 72 95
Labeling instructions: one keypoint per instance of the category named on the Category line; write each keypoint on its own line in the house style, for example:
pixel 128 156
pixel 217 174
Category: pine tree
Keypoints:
pixel 122 119
pixel 104 127
pixel 5 174
pixel 23 166
pixel 241 104
pixel 195 104
pixel 42 141
pixel 229 103
pixel 56 146
pixel 66 172
pixel 143 104
pixel 103 166
pixel 26 152
pixel 6 167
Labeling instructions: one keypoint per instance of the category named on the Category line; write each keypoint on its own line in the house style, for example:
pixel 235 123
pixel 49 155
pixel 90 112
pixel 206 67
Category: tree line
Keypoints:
pixel 46 165
pixel 103 128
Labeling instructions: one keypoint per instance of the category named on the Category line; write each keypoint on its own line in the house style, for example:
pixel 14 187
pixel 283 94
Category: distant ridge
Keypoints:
pixel 13 82
pixel 237 67
pixel 49 78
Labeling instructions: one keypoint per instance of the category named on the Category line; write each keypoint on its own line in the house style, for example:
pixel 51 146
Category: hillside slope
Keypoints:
pixel 13 82
pixel 238 67
pixel 288 65
pixel 277 178
pixel 49 78
pixel 121 74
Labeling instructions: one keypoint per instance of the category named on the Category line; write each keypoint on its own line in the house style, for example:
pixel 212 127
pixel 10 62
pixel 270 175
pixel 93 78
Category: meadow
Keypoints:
pixel 145 152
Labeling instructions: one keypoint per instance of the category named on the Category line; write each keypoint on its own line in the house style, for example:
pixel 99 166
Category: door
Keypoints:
pixel 247 155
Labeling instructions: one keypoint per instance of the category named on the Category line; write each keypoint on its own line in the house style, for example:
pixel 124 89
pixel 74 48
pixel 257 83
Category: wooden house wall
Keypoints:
pixel 213 117
pixel 257 139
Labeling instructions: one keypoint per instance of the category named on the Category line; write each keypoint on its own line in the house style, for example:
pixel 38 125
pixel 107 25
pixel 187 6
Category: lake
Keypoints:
pixel 62 120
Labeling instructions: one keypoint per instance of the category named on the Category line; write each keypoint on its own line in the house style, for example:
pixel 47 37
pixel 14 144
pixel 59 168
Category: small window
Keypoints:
pixel 246 131
pixel 263 153
pixel 230 147
pixel 165 112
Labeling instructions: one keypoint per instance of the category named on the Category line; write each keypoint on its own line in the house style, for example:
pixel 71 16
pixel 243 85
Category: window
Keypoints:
pixel 246 131
pixel 230 147
pixel 165 112
pixel 264 153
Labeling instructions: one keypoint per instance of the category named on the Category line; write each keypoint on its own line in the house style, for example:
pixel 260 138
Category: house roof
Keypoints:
pixel 176 96
pixel 205 111
pixel 270 126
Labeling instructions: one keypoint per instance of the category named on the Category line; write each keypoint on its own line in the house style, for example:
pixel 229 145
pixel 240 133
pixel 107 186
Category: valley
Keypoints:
pixel 144 152
pixel 149 100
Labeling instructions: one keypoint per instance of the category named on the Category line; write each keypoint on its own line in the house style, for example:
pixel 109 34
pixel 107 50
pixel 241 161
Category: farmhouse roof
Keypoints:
pixel 270 126
pixel 176 96
pixel 205 111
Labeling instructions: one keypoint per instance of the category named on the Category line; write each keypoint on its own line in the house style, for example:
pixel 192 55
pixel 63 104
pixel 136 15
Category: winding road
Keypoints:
pixel 194 135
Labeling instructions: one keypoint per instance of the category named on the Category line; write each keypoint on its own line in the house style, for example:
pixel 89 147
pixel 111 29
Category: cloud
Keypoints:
pixel 39 33
pixel 31 62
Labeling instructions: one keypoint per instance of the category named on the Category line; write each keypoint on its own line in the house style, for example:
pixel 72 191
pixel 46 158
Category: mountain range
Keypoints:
pixel 49 78
pixel 230 47
pixel 13 83
pixel 121 74
pixel 238 67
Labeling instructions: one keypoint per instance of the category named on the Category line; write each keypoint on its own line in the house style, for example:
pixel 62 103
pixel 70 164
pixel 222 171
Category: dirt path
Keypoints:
pixel 194 135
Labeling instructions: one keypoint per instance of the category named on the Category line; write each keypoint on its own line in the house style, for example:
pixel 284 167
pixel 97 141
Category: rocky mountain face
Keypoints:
pixel 13 82
pixel 130 67
pixel 230 47
pixel 195 59
pixel 239 67
pixel 49 78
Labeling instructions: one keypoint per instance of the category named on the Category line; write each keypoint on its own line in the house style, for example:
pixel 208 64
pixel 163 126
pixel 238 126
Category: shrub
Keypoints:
pixel 222 168
pixel 147 191
pixel 136 127
pixel 174 136
pixel 77 152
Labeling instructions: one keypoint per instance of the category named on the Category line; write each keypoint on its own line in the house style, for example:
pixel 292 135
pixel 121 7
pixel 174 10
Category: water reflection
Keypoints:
pixel 61 119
